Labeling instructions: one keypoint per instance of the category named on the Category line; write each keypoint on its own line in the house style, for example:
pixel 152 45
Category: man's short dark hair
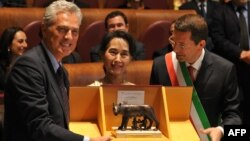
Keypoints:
pixel 115 14
pixel 194 24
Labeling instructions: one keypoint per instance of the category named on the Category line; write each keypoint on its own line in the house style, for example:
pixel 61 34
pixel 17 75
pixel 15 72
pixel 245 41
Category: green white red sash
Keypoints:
pixel 179 76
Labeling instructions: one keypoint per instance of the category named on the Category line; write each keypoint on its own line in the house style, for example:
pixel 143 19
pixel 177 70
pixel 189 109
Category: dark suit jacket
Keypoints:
pixel 216 85
pixel 139 52
pixel 225 31
pixel 34 109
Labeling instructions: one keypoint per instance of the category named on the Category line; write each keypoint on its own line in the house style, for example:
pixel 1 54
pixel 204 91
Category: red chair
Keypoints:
pixel 155 37
pixel 41 3
pixel 33 32
pixel 91 3
pixel 155 4
pixel 91 37
pixel 114 3
pixel 80 3
pixel 1 98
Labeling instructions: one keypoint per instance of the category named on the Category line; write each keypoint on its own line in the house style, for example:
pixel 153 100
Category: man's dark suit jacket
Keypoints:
pixel 225 31
pixel 139 52
pixel 216 85
pixel 34 109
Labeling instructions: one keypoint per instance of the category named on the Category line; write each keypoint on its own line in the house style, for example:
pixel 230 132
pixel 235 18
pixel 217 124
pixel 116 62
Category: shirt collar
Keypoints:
pixel 197 63
pixel 52 58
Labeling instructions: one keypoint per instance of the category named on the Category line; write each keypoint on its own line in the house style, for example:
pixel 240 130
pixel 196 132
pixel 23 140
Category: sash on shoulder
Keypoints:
pixel 179 76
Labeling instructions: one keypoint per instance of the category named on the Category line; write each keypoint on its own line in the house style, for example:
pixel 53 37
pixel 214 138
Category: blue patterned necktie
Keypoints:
pixel 60 76
pixel 244 41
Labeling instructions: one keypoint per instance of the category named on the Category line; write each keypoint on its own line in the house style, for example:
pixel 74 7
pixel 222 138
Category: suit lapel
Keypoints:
pixel 206 69
pixel 52 79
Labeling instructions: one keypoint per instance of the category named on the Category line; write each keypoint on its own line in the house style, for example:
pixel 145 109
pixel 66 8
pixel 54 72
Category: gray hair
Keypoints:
pixel 60 6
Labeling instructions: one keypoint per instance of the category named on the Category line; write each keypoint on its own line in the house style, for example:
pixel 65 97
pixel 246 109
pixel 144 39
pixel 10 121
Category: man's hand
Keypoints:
pixel 245 56
pixel 214 133
pixel 103 138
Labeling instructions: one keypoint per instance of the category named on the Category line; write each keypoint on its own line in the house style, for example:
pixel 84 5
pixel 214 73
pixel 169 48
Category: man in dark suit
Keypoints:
pixel 215 78
pixel 209 7
pixel 37 87
pixel 116 20
pixel 226 34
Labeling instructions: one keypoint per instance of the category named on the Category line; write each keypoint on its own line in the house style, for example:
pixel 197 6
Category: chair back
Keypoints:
pixel 155 4
pixel 155 37
pixel 41 3
pixel 114 3
pixel 90 37
pixel 91 3
pixel 33 33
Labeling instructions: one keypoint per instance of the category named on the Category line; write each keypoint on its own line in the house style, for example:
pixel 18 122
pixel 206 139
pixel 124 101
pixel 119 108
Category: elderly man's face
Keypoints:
pixel 61 37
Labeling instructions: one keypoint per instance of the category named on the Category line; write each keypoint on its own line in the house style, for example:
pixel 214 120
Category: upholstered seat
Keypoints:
pixel 114 3
pixel 82 74
pixel 155 37
pixel 90 37
pixel 33 32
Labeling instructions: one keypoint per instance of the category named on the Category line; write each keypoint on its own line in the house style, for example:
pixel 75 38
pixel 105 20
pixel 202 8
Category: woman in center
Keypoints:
pixel 117 51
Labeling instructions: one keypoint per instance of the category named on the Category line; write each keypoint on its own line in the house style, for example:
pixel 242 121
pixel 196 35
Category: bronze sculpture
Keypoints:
pixel 128 111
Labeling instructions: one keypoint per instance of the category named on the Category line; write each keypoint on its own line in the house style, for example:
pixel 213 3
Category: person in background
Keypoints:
pixel 232 43
pixel 37 86
pixel 13 43
pixel 167 48
pixel 205 8
pixel 213 77
pixel 117 50
pixel 116 20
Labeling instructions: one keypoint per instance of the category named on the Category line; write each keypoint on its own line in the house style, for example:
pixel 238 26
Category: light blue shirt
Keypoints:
pixel 52 58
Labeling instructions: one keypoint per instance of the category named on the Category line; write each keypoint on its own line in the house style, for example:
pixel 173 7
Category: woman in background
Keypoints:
pixel 117 51
pixel 13 43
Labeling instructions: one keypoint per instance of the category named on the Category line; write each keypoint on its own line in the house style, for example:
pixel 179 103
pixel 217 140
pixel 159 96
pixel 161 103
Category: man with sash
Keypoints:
pixel 215 100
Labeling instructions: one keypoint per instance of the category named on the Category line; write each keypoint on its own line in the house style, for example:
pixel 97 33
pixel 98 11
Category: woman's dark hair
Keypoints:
pixel 5 42
pixel 118 34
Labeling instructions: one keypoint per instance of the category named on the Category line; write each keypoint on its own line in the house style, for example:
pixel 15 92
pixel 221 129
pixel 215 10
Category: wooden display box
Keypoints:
pixel 84 103
pixel 91 111
pixel 179 104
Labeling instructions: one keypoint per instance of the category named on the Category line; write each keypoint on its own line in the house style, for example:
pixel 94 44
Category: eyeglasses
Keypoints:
pixel 64 30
